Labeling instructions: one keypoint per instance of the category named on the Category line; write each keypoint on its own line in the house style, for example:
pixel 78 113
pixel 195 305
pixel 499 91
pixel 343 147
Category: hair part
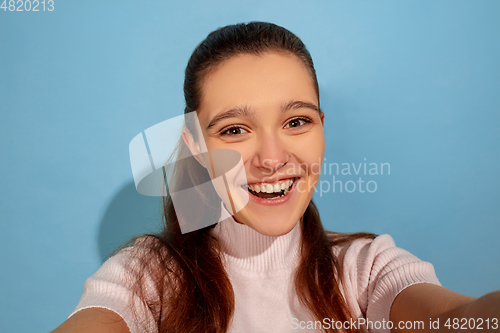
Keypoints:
pixel 256 38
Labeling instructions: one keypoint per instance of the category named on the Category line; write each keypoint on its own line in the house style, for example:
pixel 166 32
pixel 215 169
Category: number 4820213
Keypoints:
pixel 27 5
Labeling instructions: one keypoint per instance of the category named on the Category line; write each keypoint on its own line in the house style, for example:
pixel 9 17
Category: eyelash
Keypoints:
pixel 225 132
pixel 304 119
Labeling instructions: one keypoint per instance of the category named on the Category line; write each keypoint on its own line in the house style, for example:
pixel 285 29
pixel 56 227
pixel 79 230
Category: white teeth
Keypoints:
pixel 268 188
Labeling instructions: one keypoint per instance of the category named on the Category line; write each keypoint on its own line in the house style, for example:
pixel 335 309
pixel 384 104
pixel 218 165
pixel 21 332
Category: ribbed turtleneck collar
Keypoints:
pixel 247 249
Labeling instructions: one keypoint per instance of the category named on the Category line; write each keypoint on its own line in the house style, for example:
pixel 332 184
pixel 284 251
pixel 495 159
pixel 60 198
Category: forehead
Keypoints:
pixel 260 82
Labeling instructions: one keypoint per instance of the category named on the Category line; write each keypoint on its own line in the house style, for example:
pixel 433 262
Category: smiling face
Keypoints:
pixel 266 108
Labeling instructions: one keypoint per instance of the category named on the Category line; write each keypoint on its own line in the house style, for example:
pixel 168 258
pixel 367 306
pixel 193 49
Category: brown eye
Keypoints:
pixel 297 122
pixel 233 131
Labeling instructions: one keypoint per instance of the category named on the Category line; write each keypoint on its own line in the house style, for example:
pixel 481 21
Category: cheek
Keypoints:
pixel 311 152
pixel 213 143
pixel 246 150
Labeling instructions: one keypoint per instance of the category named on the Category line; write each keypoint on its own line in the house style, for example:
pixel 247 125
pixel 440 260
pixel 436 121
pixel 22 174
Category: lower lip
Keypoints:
pixel 274 202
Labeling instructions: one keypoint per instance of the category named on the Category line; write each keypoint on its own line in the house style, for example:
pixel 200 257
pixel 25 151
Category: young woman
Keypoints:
pixel 271 267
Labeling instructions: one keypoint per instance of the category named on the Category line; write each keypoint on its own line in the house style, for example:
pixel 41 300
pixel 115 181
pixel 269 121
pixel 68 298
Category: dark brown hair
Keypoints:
pixel 188 289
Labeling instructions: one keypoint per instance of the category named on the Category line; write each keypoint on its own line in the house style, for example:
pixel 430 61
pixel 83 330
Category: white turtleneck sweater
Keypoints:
pixel 261 270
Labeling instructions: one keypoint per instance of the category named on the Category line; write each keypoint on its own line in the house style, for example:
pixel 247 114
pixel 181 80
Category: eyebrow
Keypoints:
pixel 232 113
pixel 244 111
pixel 293 105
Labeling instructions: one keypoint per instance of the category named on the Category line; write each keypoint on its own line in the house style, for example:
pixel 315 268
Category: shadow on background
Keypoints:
pixel 129 214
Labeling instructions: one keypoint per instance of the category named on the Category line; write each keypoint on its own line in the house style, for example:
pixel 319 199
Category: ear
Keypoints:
pixel 193 146
pixel 322 117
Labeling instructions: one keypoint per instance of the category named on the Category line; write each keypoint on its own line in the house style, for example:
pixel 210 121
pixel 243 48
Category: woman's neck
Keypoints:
pixel 247 249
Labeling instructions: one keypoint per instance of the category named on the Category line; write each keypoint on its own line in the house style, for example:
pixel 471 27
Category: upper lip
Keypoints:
pixel 269 180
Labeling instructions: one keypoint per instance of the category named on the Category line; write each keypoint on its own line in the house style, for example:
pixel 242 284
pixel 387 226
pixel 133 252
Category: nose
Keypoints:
pixel 271 154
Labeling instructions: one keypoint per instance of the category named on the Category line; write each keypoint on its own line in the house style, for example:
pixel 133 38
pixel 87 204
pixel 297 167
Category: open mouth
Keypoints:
pixel 271 191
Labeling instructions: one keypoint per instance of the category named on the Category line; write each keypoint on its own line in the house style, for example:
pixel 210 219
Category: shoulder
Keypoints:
pixel 364 252
pixel 374 271
pixel 129 263
pixel 366 255
pixel 126 284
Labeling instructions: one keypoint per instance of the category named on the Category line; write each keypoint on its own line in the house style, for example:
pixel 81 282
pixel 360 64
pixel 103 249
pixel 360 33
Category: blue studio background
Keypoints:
pixel 410 83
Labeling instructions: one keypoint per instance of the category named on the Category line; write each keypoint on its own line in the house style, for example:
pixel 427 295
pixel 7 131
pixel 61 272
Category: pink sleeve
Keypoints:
pixel 111 288
pixel 376 271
